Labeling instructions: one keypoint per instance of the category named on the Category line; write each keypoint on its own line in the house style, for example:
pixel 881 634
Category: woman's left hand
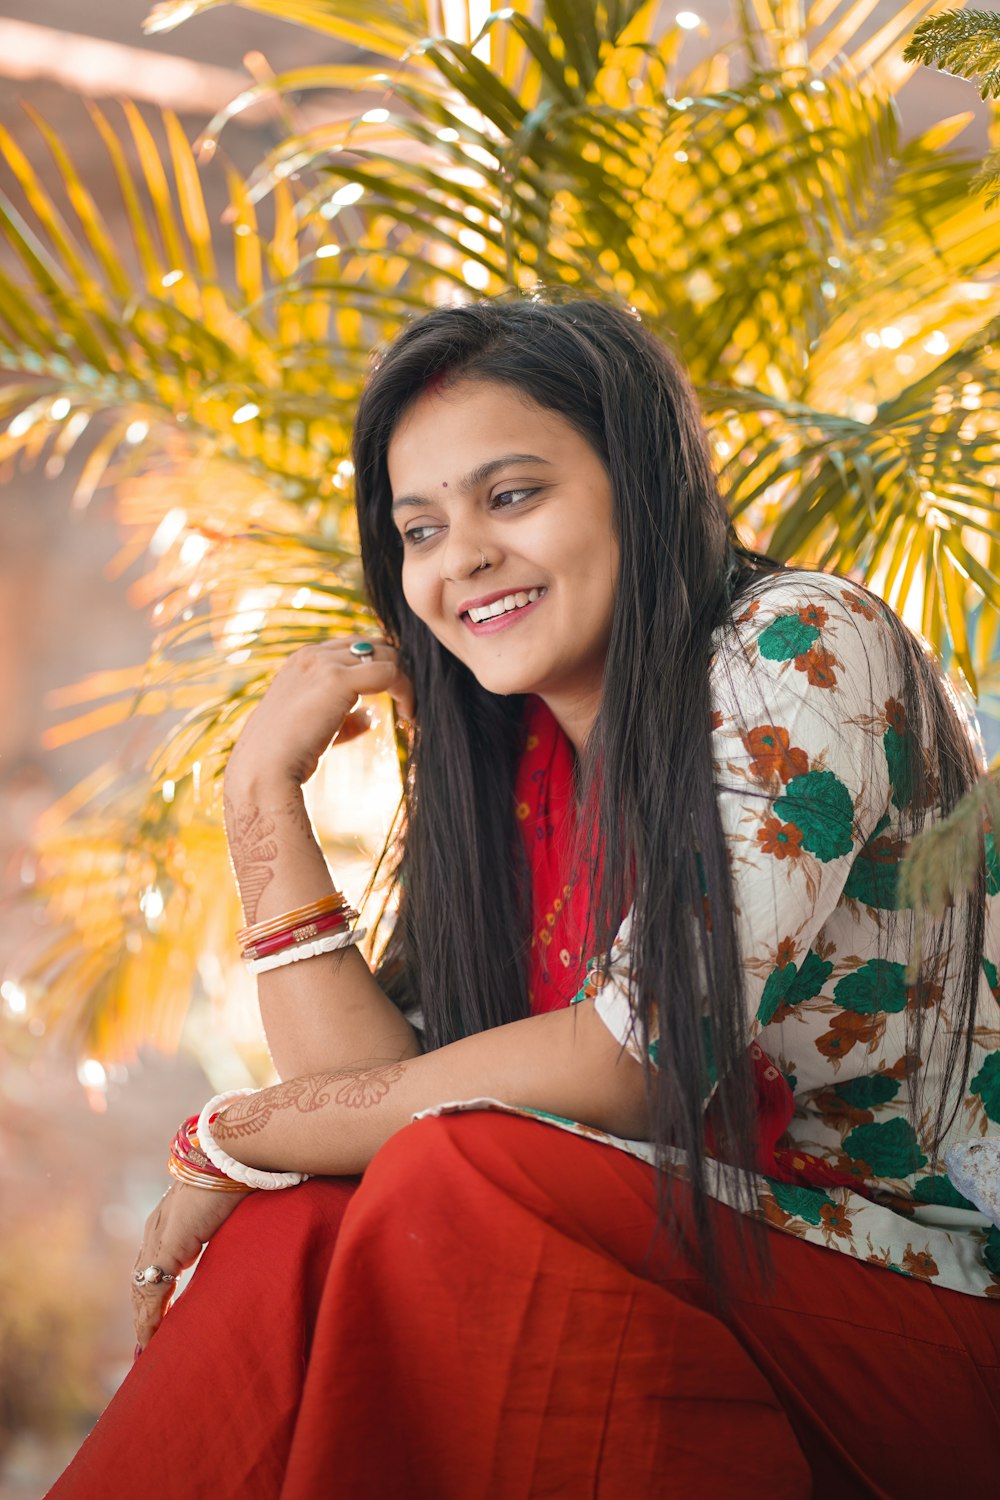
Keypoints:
pixel 181 1223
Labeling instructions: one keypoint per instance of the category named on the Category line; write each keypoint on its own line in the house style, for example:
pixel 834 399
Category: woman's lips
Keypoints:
pixel 501 622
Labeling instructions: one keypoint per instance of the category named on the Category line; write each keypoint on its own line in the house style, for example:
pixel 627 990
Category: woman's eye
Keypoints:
pixel 507 498
pixel 418 534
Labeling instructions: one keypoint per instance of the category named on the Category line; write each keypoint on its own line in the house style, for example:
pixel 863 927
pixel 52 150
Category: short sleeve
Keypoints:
pixel 810 752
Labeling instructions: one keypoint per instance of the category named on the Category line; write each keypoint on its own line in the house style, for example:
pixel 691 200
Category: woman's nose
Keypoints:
pixel 462 556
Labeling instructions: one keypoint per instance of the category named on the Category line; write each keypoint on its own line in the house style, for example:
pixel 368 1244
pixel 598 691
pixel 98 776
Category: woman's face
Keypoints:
pixel 479 473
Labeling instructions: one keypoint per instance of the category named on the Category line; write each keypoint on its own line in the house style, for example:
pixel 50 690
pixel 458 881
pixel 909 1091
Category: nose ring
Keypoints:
pixel 482 561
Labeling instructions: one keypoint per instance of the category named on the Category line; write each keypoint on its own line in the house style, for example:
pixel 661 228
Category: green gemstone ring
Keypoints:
pixel 361 649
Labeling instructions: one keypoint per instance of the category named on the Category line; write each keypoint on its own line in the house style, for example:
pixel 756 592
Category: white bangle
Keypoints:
pixel 306 950
pixel 254 1177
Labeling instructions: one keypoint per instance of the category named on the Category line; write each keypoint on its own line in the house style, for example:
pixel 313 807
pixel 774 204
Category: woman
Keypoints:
pixel 616 712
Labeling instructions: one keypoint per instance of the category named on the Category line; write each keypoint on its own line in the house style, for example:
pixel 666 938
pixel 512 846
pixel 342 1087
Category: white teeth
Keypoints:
pixel 504 606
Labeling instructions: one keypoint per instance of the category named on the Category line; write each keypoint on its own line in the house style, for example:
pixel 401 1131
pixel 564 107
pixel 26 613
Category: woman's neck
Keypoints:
pixel 575 715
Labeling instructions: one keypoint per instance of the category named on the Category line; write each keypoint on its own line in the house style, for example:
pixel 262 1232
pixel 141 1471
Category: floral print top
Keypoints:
pixel 811 755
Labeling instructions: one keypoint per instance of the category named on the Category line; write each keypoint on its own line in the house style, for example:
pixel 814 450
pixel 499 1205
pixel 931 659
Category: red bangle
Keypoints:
pixel 291 936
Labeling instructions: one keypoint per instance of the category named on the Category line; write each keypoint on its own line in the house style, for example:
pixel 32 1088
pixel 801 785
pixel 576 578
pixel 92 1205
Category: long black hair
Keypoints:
pixel 459 945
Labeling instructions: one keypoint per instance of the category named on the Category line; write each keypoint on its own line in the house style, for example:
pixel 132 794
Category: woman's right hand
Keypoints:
pixel 312 701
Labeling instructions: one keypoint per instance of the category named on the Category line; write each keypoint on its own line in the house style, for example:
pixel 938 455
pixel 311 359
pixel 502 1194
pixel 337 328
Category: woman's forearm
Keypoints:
pixel 320 1013
pixel 332 1122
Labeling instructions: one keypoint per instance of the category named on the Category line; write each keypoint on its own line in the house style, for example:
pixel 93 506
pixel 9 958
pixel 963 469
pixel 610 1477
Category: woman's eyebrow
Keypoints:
pixel 475 477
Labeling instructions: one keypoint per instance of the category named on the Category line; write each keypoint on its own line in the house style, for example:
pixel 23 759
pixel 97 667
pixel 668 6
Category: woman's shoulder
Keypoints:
pixel 799 629
pixel 812 597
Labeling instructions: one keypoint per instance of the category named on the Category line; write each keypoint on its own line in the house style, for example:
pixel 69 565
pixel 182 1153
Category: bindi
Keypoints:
pixel 444 484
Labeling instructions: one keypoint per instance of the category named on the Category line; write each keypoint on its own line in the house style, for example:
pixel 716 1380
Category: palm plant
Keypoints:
pixel 827 286
pixel 966 43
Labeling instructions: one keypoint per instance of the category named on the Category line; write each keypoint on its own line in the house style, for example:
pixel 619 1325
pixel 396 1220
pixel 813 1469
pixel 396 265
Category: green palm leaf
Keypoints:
pixel 828 288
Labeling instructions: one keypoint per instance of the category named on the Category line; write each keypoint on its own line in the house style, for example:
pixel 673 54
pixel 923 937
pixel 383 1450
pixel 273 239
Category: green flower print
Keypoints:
pixel 804 1203
pixel 991 1251
pixel 874 876
pixel 790 985
pixel 788 636
pixel 821 807
pixel 867 1093
pixel 992 977
pixel 987 1085
pixel 992 865
pixel 812 976
pixel 891 1150
pixel 899 749
pixel 879 985
pixel 940 1190
pixel 775 993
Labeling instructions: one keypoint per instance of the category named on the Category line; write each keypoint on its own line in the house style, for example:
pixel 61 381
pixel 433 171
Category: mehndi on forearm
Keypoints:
pixel 330 1122
pixel 326 1010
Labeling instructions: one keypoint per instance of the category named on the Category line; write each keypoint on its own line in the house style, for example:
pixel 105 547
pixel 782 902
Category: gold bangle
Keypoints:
pixel 193 1178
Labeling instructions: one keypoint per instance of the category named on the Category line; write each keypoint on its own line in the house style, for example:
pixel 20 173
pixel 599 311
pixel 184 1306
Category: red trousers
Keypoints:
pixel 481 1319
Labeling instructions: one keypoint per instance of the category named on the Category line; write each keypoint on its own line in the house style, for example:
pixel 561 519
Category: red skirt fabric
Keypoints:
pixel 485 1317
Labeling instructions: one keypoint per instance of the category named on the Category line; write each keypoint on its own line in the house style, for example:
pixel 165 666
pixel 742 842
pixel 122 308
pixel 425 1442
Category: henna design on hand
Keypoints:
pixel 253 849
pixel 360 1088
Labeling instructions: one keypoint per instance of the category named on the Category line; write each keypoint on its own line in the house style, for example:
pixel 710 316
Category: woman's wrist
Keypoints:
pixel 245 782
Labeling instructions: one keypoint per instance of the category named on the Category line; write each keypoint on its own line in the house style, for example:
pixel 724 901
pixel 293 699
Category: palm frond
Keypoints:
pixel 830 289
pixel 963 42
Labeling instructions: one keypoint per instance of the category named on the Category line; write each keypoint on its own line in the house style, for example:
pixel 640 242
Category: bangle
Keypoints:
pixel 297 918
pixel 189 1164
pixel 293 954
pixel 213 1182
pixel 255 1177
pixel 290 937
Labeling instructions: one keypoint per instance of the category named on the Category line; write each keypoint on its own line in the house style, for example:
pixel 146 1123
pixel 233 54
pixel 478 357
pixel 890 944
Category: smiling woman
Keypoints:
pixel 510 559
pixel 643 1011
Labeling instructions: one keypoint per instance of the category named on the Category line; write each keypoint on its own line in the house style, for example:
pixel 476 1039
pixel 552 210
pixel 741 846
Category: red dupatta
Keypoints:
pixel 546 812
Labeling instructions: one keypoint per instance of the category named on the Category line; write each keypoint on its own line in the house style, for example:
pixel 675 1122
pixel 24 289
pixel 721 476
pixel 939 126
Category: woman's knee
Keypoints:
pixel 465 1163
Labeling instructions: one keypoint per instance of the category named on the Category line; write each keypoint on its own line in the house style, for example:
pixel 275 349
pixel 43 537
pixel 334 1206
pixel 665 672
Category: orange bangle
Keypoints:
pixel 248 936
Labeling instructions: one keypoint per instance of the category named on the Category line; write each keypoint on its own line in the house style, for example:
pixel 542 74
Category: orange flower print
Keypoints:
pixel 749 612
pixel 783 840
pixel 787 950
pixel 920 1263
pixel 847 1029
pixel 772 754
pixel 895 715
pixel 818 664
pixel 813 614
pixel 858 605
pixel 923 996
pixel 834 1111
pixel 716 720
pixel 772 1213
pixel 835 1220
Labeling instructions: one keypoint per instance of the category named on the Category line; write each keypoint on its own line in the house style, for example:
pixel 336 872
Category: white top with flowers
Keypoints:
pixel 812 756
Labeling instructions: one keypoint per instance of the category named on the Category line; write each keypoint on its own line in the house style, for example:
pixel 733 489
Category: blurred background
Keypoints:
pixel 92 1087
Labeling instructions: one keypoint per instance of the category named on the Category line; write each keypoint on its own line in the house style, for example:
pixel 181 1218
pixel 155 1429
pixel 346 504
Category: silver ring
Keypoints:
pixel 361 649
pixel 152 1276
